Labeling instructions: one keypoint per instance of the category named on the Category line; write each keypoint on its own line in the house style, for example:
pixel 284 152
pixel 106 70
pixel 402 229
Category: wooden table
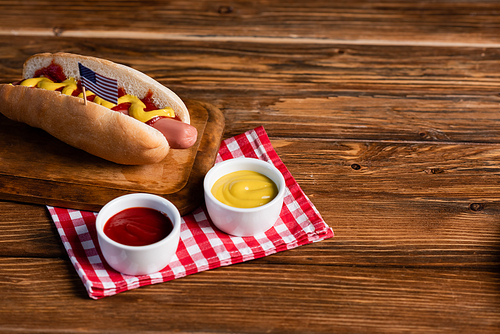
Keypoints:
pixel 387 114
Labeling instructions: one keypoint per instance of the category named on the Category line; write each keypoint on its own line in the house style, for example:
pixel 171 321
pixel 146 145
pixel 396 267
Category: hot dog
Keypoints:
pixel 94 127
pixel 178 134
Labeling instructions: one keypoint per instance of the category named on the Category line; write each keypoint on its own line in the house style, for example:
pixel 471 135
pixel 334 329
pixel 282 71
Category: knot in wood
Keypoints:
pixel 225 10
pixel 433 134
pixel 434 171
pixel 476 206
pixel 57 31
pixel 355 166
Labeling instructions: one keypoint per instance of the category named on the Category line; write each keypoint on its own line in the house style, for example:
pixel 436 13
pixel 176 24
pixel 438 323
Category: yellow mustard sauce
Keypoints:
pixel 244 189
pixel 135 110
pixel 98 100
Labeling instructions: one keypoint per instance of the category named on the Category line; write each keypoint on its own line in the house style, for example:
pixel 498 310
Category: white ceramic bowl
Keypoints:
pixel 138 260
pixel 243 222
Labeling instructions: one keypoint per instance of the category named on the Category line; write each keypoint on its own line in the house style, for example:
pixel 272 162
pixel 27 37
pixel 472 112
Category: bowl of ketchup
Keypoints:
pixel 138 233
pixel 244 196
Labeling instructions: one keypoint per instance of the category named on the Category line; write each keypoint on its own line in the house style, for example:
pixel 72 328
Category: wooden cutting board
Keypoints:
pixel 38 168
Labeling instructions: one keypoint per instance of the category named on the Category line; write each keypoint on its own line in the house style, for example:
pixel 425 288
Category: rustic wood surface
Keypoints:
pixel 387 114
pixel 69 178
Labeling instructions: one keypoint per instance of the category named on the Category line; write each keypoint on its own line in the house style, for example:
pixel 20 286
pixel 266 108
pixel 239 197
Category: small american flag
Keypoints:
pixel 102 86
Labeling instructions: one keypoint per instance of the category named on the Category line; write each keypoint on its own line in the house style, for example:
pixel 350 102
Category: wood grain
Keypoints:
pixel 37 168
pixel 456 23
pixel 377 300
pixel 386 114
pixel 319 88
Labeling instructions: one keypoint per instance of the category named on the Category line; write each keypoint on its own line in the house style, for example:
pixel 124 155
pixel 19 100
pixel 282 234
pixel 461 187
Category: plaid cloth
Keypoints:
pixel 202 246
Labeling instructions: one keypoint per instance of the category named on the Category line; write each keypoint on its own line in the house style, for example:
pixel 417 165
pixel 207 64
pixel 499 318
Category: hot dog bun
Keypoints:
pixel 134 82
pixel 93 128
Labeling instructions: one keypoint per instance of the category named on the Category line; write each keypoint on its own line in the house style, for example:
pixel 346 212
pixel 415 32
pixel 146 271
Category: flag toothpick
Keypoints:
pixel 84 95
pixel 105 88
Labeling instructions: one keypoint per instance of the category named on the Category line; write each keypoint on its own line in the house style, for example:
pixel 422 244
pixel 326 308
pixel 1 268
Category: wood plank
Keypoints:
pixel 387 232
pixel 419 171
pixel 382 97
pixel 37 168
pixel 282 68
pixel 432 206
pixel 383 22
pixel 28 231
pixel 385 112
pixel 281 297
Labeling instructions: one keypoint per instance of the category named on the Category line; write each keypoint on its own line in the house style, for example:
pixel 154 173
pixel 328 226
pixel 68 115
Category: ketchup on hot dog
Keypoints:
pixel 179 135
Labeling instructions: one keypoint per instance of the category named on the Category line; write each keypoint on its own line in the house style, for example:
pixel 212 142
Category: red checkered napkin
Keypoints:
pixel 202 246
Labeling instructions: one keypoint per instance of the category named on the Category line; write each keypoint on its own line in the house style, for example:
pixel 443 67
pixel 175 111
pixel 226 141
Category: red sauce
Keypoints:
pixel 148 101
pixel 138 226
pixel 53 72
pixel 122 107
pixel 154 120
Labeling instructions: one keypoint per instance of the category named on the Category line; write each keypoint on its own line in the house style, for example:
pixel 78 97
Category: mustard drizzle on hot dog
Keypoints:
pixel 68 86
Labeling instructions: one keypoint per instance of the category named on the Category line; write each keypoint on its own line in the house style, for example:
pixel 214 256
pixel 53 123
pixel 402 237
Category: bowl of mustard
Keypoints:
pixel 244 196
